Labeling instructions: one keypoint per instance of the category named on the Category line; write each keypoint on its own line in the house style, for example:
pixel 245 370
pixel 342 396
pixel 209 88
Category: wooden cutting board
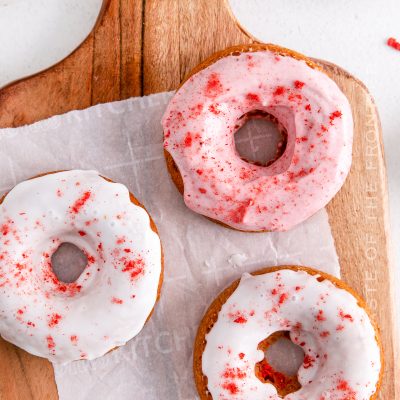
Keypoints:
pixel 147 46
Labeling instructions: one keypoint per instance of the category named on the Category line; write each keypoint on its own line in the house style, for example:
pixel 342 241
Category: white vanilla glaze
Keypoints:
pixel 111 300
pixel 342 356
pixel 199 126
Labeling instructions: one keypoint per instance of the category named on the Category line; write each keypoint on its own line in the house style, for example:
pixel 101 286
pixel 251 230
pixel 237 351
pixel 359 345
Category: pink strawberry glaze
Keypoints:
pixel 199 126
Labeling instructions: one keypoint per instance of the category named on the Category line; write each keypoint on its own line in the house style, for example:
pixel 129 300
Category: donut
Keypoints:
pixel 201 119
pixel 342 350
pixel 114 296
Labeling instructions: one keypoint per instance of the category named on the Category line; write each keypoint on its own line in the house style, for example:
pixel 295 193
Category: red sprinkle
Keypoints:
pixel 230 375
pixel 50 342
pixel 74 339
pixel 214 86
pixel 240 320
pixel 241 356
pixel 238 317
pixel 279 91
pixel 308 361
pixel 77 206
pixel 238 214
pixel 188 140
pixel 340 327
pixel 116 300
pixel 298 326
pixel 298 84
pixel 233 373
pixel 320 316
pixel 345 387
pixel 252 97
pixel 334 115
pixel 82 233
pixel 121 240
pixel 301 139
pixel 231 387
pixel 54 320
pixel 5 229
pixel 344 316
pixel 283 298
pixel 134 268
pixel 202 190
pixel 392 42
pixel 213 108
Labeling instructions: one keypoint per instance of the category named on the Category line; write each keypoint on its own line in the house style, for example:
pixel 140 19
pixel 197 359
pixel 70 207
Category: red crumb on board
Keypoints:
pixel 392 42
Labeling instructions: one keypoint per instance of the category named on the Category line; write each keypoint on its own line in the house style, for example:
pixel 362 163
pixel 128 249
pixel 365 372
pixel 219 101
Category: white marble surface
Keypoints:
pixel 35 34
pixel 353 34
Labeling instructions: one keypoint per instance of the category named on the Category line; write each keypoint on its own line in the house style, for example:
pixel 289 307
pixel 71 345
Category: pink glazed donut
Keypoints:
pixel 204 114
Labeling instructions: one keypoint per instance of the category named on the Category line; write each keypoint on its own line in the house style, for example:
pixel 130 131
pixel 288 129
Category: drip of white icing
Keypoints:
pixel 111 300
pixel 237 259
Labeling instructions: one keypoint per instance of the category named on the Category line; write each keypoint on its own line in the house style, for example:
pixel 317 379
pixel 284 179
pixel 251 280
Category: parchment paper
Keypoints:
pixel 123 140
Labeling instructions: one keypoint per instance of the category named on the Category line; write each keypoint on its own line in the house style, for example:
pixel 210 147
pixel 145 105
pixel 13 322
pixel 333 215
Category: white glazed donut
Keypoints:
pixel 203 116
pixel 342 351
pixel 115 294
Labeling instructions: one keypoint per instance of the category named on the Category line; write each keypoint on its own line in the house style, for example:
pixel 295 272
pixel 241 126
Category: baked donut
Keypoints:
pixel 115 294
pixel 201 119
pixel 342 350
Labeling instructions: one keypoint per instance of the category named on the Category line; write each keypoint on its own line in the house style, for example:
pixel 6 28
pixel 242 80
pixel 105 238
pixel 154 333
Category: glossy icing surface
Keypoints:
pixel 342 357
pixel 199 126
pixel 110 301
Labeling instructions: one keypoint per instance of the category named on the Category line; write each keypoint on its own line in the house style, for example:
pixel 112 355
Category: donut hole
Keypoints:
pixel 68 262
pixel 260 138
pixel 282 360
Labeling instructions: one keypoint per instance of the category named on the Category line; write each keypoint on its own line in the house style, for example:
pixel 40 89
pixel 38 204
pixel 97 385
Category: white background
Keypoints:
pixel 352 34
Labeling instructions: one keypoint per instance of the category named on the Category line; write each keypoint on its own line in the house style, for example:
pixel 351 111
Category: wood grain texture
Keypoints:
pixel 358 216
pixel 146 46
